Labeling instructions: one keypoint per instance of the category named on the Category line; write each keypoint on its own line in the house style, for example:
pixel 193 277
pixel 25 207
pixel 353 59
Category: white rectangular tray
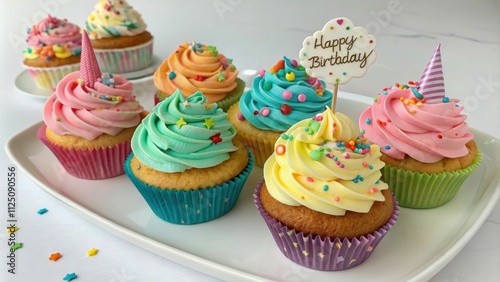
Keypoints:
pixel 238 246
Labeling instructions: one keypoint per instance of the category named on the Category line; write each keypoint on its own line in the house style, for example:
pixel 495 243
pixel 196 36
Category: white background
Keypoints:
pixel 255 34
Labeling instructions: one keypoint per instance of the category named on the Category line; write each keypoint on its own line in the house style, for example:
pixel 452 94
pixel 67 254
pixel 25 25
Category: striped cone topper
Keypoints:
pixel 432 80
pixel 89 69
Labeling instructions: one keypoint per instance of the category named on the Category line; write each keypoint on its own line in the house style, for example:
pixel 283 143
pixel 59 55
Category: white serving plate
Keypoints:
pixel 238 246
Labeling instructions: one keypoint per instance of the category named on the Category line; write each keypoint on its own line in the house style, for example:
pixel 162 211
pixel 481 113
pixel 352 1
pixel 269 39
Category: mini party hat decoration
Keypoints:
pixel 338 52
pixel 432 80
pixel 89 69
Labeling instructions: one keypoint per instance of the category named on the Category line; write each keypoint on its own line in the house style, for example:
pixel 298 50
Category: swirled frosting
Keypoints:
pixel 324 164
pixel 53 37
pixel 107 108
pixel 283 96
pixel 182 133
pixel 402 123
pixel 113 18
pixel 197 67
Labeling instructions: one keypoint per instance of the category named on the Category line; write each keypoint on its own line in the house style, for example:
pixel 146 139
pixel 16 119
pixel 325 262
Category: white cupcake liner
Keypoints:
pixel 125 60
pixel 47 78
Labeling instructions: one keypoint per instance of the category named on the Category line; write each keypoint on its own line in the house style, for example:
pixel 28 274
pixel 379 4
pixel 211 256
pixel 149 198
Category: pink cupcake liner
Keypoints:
pixel 126 59
pixel 326 254
pixel 89 164
pixel 47 78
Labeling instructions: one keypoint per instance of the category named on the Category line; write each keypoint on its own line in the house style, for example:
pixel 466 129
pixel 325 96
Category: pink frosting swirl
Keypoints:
pixel 76 109
pixel 401 124
pixel 51 31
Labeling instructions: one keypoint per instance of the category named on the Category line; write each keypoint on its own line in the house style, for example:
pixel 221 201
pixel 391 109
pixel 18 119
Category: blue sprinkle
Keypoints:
pixel 446 100
pixel 368 120
pixel 355 180
pixel 377 182
pixel 417 94
pixel 370 167
pixel 363 131
pixel 42 211
pixel 335 158
pixel 384 92
pixel 325 188
pixel 387 147
pixel 171 75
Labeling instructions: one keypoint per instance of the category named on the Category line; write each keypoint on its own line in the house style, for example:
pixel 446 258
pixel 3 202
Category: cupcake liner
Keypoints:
pixel 125 60
pixel 89 164
pixel 421 190
pixel 224 104
pixel 192 206
pixel 47 78
pixel 261 147
pixel 326 254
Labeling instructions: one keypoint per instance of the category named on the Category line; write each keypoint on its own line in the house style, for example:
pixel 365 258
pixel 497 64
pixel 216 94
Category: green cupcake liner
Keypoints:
pixel 192 206
pixel 421 190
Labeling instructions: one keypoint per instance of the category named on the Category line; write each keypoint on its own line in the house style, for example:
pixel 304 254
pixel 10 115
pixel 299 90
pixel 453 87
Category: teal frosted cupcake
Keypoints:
pixel 187 160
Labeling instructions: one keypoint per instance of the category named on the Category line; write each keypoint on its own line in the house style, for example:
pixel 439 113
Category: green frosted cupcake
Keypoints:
pixel 425 142
pixel 188 162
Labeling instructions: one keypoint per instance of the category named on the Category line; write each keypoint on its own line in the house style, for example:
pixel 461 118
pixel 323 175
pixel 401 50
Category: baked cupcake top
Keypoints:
pixel 53 38
pixel 324 163
pixel 197 67
pixel 182 133
pixel 114 18
pixel 88 104
pixel 283 96
pixel 417 119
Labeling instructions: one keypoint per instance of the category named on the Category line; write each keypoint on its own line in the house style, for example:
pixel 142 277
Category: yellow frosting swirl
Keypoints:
pixel 324 164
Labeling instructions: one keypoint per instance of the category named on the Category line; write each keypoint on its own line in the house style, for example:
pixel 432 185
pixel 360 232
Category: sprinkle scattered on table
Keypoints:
pixel 42 211
pixel 17 246
pixel 92 252
pixel 55 256
pixel 70 276
pixel 12 229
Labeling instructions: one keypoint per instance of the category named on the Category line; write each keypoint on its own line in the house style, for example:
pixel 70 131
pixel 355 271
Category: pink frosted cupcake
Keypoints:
pixel 90 120
pixel 53 51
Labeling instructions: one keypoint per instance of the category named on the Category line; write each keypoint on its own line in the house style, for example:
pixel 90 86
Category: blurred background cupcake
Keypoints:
pixel 424 138
pixel 53 51
pixel 119 37
pixel 196 67
pixel 278 98
pixel 90 119
pixel 322 198
pixel 187 161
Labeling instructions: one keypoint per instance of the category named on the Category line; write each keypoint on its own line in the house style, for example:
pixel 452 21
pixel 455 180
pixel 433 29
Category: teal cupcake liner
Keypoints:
pixel 421 190
pixel 192 206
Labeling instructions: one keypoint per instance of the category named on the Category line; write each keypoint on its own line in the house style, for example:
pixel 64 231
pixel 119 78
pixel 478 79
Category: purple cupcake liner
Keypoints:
pixel 326 254
pixel 89 164
pixel 192 206
pixel 126 59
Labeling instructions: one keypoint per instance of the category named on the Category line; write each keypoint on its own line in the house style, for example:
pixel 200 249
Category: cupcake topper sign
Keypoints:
pixel 89 69
pixel 338 52
pixel 431 84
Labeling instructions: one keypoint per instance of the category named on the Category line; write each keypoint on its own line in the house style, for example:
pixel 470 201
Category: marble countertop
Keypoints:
pixel 255 34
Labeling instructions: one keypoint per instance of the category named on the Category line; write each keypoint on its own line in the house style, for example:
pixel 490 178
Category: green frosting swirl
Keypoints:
pixel 182 133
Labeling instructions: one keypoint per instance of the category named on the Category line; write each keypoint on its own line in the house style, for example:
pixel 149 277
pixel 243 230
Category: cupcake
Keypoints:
pixel 424 139
pixel 53 51
pixel 119 37
pixel 322 197
pixel 198 67
pixel 90 119
pixel 187 161
pixel 279 98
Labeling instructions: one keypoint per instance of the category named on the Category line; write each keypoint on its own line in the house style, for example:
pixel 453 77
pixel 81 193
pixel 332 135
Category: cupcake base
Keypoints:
pixel 47 78
pixel 89 164
pixel 421 190
pixel 192 206
pixel 326 254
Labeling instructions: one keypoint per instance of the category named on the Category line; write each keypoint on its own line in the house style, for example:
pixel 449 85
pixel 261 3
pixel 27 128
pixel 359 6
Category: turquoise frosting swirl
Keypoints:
pixel 263 105
pixel 182 133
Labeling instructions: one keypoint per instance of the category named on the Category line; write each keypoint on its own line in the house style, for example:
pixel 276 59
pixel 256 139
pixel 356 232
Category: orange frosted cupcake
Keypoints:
pixel 198 67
